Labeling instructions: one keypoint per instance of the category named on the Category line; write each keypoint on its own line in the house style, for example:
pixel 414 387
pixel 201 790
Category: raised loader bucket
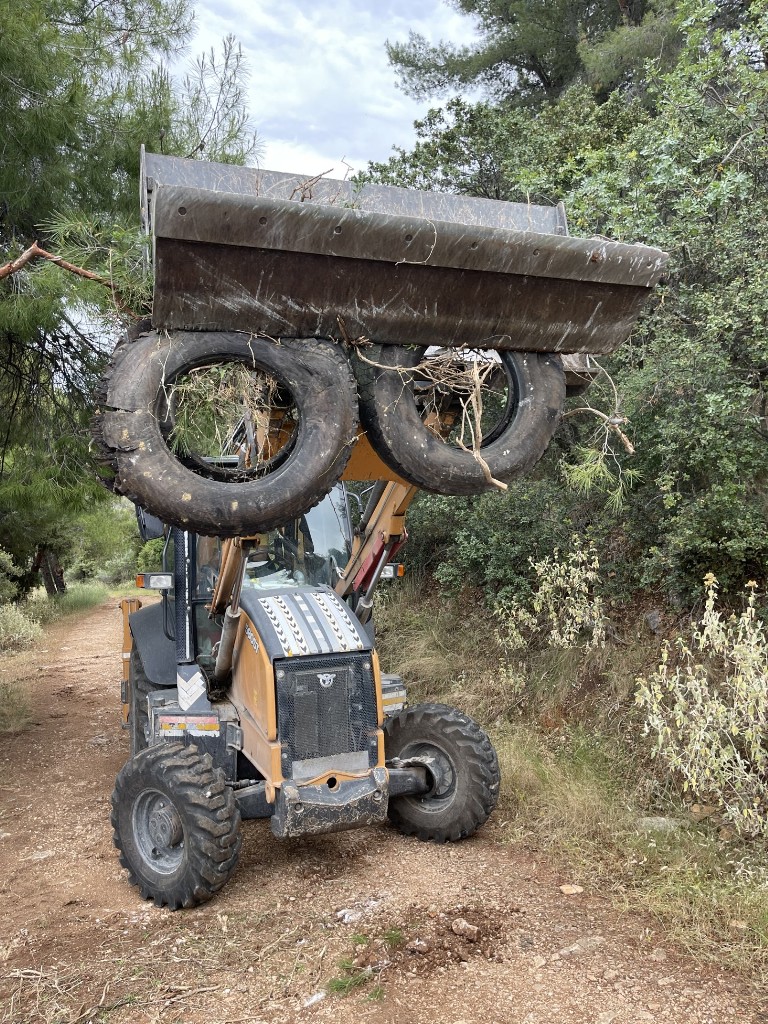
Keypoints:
pixel 236 248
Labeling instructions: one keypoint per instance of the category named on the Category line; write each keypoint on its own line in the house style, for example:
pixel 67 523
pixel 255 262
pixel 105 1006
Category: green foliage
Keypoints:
pixel 681 166
pixel 102 542
pixel 79 597
pixel 490 541
pixel 9 575
pixel 350 978
pixel 17 630
pixel 82 86
pixel 528 49
pixel 617 59
pixel 150 557
pixel 564 610
pixel 707 708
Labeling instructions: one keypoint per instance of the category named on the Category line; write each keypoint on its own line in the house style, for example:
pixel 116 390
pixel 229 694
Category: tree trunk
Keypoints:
pixel 49 568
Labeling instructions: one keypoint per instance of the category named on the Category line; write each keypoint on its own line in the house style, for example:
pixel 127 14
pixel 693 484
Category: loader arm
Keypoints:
pixel 381 531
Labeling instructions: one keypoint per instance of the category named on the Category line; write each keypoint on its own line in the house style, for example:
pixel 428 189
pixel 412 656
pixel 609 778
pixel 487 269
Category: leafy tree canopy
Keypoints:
pixel 82 85
pixel 527 50
pixel 686 172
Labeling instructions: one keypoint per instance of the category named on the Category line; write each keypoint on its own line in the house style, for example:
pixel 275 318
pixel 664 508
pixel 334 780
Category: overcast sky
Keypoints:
pixel 321 89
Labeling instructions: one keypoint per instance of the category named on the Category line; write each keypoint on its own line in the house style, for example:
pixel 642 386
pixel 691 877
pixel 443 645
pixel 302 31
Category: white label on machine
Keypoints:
pixel 190 689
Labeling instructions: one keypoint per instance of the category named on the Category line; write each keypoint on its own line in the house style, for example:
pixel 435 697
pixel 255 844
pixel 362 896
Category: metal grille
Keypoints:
pixel 326 713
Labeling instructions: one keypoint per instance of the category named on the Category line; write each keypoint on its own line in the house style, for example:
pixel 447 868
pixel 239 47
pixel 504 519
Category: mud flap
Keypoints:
pixel 313 810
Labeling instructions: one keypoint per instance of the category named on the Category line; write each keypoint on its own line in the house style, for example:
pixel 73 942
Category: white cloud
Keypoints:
pixel 320 86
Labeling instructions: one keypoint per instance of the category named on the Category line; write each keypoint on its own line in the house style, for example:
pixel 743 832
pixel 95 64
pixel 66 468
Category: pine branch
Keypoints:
pixel 36 252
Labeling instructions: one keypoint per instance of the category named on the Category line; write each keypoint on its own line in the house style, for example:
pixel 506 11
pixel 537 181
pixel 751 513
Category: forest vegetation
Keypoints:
pixel 649 120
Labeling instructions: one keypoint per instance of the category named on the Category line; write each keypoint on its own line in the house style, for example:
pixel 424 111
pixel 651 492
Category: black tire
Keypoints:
pixel 138 712
pixel 393 421
pixel 176 825
pixel 129 433
pixel 466 786
pixel 104 453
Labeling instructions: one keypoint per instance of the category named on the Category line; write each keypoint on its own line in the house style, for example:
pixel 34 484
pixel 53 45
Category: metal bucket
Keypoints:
pixel 237 248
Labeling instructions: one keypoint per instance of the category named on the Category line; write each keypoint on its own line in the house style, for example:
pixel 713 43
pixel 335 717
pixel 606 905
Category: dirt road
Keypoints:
pixel 368 912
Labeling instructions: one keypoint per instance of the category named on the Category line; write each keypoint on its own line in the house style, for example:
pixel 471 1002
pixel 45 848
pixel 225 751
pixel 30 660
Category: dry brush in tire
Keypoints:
pixel 406 444
pixel 466 785
pixel 130 436
pixel 176 825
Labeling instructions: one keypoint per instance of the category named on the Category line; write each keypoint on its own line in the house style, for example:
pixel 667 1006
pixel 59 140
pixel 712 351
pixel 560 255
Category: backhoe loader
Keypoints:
pixel 253 689
pixel 400 338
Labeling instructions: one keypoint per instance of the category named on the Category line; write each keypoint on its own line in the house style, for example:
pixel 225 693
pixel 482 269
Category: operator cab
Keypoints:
pixel 310 551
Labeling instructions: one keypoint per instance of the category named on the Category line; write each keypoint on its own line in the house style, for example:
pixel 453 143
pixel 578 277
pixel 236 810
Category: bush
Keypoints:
pixel 80 597
pixel 118 569
pixel 563 611
pixel 489 542
pixel 103 544
pixel 707 708
pixel 150 558
pixel 17 630
pixel 9 574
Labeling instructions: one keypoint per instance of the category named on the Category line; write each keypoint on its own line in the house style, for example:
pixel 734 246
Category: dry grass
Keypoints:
pixel 15 711
pixel 577 779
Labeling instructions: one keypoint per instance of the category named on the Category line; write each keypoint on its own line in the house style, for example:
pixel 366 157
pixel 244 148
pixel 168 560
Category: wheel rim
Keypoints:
pixel 441 770
pixel 158 831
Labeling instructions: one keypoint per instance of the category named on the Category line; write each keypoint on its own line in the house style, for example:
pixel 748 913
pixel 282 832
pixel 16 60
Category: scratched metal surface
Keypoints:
pixel 290 257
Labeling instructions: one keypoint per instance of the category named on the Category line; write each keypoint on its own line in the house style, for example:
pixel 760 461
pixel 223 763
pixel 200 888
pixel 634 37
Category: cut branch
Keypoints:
pixel 611 422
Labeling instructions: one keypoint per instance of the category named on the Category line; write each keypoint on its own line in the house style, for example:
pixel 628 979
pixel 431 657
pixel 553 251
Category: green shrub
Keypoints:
pixel 150 558
pixel 706 706
pixel 119 569
pixel 563 610
pixel 9 574
pixel 17 630
pixel 79 597
pixel 103 544
pixel 489 542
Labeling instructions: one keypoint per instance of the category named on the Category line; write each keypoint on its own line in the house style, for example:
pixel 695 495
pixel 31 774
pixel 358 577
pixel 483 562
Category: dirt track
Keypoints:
pixel 78 945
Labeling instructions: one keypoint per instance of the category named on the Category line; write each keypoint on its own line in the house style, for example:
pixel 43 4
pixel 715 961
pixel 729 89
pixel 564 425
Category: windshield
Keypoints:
pixel 310 550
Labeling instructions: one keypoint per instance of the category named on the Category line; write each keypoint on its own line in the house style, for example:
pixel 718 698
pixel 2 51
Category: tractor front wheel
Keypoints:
pixel 176 825
pixel 462 767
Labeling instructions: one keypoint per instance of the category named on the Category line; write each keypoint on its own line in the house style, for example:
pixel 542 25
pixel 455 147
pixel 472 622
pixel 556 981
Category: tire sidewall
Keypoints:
pixel 315 372
pixel 476 779
pixel 133 787
pixel 392 418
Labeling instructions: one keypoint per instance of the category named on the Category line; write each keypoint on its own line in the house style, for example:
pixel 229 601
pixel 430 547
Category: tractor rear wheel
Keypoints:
pixel 140 686
pixel 461 762
pixel 176 825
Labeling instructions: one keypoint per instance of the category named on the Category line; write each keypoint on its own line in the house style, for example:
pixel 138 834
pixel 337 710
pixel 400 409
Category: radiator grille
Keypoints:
pixel 326 714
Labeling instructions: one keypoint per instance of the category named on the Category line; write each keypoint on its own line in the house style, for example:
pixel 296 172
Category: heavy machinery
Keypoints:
pixel 304 334
pixel 254 690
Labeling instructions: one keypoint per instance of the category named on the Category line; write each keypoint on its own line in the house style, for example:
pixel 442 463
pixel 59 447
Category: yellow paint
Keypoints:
pixel 253 695
pixel 128 606
pixel 365 464
pixel 377 687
